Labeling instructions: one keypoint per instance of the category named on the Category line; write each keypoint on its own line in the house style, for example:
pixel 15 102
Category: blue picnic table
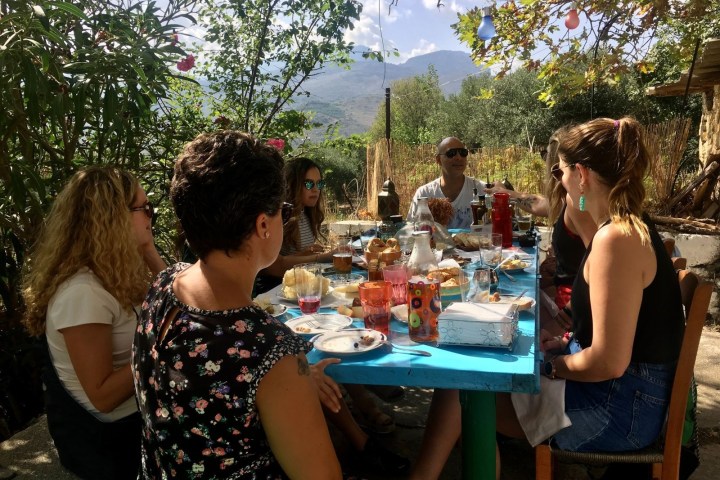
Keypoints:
pixel 478 372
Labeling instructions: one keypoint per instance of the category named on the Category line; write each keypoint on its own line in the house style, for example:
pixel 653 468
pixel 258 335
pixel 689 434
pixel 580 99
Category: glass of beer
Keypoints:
pixel 342 255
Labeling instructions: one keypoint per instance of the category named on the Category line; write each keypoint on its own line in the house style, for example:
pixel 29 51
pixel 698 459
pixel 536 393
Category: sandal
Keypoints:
pixel 376 421
pixel 387 393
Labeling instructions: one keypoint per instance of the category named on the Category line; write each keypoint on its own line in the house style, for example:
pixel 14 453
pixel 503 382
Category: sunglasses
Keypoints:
pixel 309 184
pixel 450 153
pixel 286 210
pixel 557 171
pixel 147 208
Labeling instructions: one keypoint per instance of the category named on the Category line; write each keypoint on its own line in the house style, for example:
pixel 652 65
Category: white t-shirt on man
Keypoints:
pixel 461 204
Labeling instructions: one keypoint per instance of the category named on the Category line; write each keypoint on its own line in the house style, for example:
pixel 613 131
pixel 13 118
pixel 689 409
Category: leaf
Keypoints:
pixel 70 8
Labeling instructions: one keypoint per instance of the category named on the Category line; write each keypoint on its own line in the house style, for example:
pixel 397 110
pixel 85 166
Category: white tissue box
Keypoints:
pixel 478 324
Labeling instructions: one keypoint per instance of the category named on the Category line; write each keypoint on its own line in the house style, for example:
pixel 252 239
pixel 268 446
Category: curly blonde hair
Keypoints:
pixel 88 226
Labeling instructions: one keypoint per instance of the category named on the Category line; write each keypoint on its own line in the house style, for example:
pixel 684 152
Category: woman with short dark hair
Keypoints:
pixel 224 388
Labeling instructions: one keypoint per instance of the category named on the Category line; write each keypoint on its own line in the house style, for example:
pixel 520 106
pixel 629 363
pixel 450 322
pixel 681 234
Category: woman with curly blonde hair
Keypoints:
pixel 87 273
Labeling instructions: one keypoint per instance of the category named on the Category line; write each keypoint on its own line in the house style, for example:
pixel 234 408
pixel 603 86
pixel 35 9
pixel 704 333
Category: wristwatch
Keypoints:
pixel 549 369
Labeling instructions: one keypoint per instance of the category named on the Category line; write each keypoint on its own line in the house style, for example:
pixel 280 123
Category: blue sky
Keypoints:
pixel 414 27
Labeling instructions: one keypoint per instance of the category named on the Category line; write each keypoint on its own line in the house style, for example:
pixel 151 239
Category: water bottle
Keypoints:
pixel 424 304
pixel 424 220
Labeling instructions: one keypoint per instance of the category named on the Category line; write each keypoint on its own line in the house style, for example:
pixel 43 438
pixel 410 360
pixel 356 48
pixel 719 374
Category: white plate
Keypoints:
pixel 319 323
pixel 348 342
pixel 509 298
pixel 279 310
pixel 294 300
pixel 400 312
pixel 527 261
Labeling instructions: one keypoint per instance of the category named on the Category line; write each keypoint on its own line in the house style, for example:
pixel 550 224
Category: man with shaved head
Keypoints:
pixel 452 184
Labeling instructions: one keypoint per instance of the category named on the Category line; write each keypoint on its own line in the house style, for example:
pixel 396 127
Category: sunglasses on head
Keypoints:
pixel 557 171
pixel 451 152
pixel 309 184
pixel 286 211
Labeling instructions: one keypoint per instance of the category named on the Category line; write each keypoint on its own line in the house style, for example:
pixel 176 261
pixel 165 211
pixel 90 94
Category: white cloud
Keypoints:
pixel 423 48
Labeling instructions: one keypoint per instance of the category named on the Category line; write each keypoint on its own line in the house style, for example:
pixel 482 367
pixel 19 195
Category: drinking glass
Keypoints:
pixel 398 277
pixel 376 300
pixel 308 285
pixel 342 254
pixel 479 290
pixel 524 221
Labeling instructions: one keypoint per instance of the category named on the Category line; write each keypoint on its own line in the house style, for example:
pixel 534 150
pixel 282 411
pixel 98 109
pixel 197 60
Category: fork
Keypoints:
pixel 406 350
pixel 510 277
pixel 325 326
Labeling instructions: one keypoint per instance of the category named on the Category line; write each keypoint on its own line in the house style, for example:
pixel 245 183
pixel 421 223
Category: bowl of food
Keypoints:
pixel 453 284
pixel 345 285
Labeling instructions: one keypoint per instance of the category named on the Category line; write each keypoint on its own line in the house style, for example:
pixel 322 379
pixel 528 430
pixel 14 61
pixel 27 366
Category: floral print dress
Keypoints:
pixel 196 386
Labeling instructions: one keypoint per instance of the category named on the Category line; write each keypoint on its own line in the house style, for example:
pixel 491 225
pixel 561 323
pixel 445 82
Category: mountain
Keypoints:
pixel 352 96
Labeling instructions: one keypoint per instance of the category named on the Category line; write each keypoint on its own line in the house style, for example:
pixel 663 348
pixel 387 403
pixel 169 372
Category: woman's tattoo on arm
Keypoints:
pixel 527 202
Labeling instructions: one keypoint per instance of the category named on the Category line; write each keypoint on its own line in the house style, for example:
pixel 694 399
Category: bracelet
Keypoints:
pixel 567 335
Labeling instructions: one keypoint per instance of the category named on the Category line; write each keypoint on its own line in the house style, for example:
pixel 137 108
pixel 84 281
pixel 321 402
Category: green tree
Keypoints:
pixel 80 83
pixel 413 103
pixel 262 53
pixel 624 29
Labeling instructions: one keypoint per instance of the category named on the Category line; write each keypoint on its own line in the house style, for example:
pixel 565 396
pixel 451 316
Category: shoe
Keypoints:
pixel 376 421
pixel 387 393
pixel 379 459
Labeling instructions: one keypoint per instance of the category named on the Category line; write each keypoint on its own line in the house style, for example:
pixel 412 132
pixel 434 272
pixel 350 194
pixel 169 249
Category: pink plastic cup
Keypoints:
pixel 397 276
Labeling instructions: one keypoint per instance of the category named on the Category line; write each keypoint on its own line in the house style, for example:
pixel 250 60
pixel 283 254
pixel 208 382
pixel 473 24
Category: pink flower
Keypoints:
pixel 186 63
pixel 278 143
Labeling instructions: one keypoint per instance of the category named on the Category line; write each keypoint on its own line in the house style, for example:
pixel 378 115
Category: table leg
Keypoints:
pixel 478 435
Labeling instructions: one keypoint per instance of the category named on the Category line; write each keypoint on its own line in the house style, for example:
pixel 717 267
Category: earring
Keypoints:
pixel 267 234
pixel 581 203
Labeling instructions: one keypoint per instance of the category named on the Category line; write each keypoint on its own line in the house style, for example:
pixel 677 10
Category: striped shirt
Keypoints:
pixel 306 237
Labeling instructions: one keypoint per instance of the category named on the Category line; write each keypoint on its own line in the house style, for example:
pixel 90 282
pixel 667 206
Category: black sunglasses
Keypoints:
pixel 286 211
pixel 309 184
pixel 450 153
pixel 147 208
pixel 557 171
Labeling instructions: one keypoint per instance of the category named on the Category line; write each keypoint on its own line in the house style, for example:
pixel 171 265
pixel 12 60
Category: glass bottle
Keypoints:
pixel 424 220
pixel 501 218
pixel 482 210
pixel 423 291
pixel 474 206
pixel 506 183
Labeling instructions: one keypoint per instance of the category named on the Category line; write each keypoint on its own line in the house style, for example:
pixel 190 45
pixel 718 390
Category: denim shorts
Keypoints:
pixel 626 413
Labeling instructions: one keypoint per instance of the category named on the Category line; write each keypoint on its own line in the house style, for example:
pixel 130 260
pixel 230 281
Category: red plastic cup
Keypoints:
pixel 376 300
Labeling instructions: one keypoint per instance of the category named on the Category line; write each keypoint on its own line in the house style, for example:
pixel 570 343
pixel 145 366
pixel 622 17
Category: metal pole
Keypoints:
pixel 387 114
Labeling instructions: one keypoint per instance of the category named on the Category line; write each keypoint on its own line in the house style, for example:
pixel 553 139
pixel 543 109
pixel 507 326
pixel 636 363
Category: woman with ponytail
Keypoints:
pixel 606 384
pixel 618 362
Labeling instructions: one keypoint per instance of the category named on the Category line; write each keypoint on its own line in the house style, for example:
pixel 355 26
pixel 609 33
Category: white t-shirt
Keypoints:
pixel 461 204
pixel 80 300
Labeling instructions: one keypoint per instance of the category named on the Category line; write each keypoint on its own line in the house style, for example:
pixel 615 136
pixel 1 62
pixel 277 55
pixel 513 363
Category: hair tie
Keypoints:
pixel 616 124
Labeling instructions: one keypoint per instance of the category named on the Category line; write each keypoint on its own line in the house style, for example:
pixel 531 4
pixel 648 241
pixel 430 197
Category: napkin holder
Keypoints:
pixel 478 324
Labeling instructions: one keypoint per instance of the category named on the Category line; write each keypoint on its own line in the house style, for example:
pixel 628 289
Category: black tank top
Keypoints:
pixel 569 251
pixel 661 322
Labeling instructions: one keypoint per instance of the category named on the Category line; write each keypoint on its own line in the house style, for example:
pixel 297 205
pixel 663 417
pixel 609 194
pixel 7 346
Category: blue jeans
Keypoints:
pixel 626 413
